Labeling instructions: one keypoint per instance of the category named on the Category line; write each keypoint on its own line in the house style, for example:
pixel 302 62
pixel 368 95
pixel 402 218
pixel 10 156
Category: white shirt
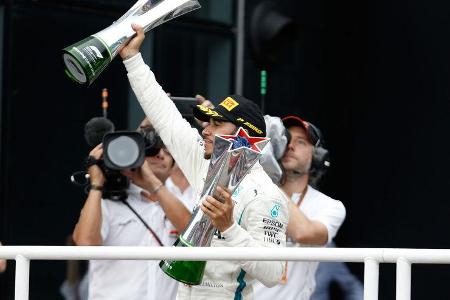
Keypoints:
pixel 131 279
pixel 301 275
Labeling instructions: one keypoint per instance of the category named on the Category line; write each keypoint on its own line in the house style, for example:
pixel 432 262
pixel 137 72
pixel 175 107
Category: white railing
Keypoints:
pixel 371 257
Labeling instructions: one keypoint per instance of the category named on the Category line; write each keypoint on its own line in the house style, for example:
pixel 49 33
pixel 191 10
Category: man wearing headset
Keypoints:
pixel 314 218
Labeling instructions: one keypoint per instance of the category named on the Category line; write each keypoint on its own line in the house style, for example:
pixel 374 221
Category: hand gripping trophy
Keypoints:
pixel 86 59
pixel 233 156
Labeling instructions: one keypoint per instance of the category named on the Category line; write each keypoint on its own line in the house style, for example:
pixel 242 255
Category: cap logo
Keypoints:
pixel 229 103
pixel 253 127
pixel 208 111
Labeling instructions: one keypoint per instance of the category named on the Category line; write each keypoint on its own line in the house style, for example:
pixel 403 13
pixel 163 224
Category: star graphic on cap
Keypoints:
pixel 250 142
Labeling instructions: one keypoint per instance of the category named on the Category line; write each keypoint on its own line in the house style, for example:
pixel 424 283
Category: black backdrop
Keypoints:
pixel 373 76
pixel 42 127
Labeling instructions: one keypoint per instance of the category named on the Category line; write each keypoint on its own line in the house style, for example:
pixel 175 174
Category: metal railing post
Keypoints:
pixel 403 286
pixel 371 275
pixel 22 277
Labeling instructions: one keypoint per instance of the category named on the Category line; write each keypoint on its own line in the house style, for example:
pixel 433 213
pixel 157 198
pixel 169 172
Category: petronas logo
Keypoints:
pixel 275 210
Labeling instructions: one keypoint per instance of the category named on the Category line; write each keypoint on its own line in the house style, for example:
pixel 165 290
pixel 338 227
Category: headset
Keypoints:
pixel 321 156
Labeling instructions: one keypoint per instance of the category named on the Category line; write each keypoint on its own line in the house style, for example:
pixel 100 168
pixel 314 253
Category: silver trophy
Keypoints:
pixel 86 59
pixel 233 157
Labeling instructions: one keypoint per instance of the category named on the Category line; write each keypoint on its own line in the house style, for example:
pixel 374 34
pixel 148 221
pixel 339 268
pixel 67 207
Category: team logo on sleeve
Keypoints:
pixel 275 210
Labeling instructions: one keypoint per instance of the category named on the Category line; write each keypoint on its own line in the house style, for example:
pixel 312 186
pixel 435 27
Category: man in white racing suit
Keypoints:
pixel 255 215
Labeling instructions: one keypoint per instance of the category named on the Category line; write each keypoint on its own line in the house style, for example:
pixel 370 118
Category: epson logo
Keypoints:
pixel 273 222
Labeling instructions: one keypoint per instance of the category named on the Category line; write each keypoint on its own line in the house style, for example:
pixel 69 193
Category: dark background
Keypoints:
pixel 372 75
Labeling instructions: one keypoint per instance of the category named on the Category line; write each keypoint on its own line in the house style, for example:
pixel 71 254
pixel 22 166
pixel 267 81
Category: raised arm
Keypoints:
pixel 183 141
pixel 87 232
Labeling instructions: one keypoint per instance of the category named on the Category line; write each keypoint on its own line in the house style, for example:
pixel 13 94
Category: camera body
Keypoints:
pixel 125 150
pixel 116 184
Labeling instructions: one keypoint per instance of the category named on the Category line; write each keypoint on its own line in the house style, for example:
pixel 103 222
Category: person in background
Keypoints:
pixel 314 218
pixel 140 220
pixel 329 273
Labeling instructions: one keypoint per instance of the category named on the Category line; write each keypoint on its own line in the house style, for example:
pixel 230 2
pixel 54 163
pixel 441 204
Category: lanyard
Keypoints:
pixel 305 190
pixel 143 222
pixel 284 277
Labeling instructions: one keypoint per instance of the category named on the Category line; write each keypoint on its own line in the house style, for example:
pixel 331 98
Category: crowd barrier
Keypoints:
pixel 371 257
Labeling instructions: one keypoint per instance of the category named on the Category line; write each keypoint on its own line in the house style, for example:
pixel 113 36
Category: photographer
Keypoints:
pixel 140 220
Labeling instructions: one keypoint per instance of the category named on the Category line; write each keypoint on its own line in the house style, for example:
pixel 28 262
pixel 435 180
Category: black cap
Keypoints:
pixel 238 110
pixel 314 134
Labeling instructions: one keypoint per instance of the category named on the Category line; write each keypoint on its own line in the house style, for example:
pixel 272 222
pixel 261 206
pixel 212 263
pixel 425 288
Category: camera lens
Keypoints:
pixel 123 151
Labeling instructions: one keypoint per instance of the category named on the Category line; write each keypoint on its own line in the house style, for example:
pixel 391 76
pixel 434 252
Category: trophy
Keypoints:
pixel 232 158
pixel 85 60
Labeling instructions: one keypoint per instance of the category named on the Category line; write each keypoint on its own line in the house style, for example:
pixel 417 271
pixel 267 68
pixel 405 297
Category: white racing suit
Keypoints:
pixel 260 212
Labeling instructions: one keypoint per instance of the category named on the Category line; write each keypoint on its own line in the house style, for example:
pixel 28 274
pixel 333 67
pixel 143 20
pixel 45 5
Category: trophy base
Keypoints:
pixel 187 272
pixel 85 60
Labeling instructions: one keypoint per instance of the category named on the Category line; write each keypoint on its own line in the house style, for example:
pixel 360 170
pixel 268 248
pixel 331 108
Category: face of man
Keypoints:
pixel 215 127
pixel 298 155
pixel 161 164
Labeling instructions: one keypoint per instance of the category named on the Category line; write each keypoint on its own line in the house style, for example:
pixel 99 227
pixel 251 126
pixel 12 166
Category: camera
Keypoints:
pixel 121 150
pixel 126 150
